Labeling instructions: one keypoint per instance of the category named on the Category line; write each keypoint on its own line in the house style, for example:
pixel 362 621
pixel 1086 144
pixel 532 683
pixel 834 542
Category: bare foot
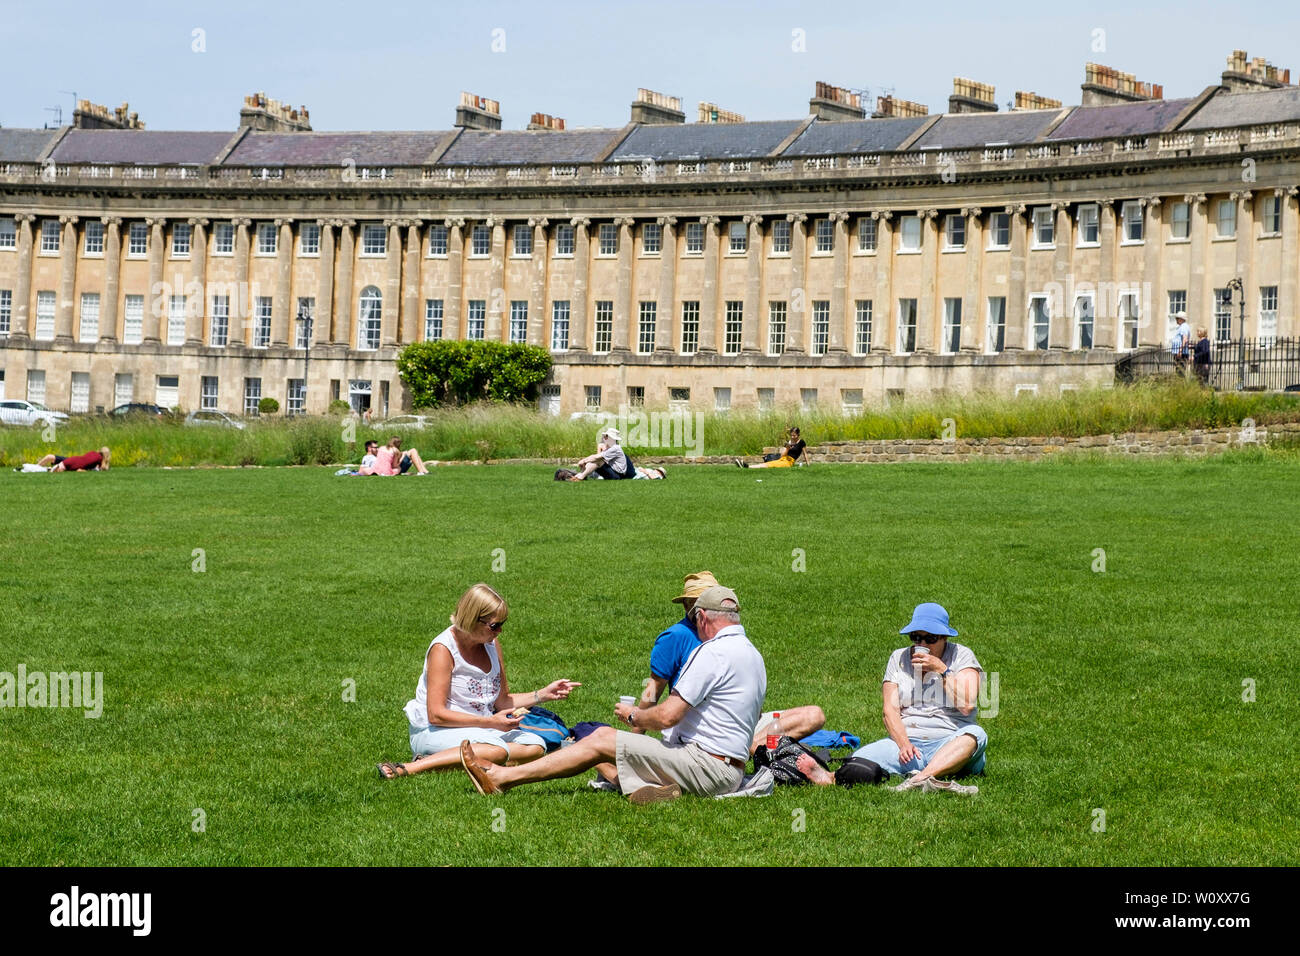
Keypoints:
pixel 814 771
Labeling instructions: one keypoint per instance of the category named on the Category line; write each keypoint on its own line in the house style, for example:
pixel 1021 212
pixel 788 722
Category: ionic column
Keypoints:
pixel 753 284
pixel 157 301
pixel 1286 292
pixel 1246 255
pixel 281 307
pixel 242 308
pixel 581 274
pixel 21 328
pixel 1058 330
pixel 625 309
pixel 884 314
pixel 410 320
pixel 839 286
pixel 927 317
pixel 345 332
pixel 709 300
pixel 1200 300
pixel 1017 304
pixel 453 308
pixel 497 306
pixel 1105 328
pixel 67 279
pixel 974 329
pixel 537 319
pixel 1152 330
pixel 794 327
pixel 196 311
pixel 112 278
pixel 323 326
pixel 665 331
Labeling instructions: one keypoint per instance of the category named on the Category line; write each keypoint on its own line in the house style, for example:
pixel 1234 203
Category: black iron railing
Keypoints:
pixel 1252 364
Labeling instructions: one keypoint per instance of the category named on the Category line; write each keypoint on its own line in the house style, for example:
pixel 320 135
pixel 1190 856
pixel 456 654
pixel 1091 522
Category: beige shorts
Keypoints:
pixel 645 761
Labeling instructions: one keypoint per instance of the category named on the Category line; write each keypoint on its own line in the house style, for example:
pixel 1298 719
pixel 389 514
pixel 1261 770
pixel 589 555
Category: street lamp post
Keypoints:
pixel 304 317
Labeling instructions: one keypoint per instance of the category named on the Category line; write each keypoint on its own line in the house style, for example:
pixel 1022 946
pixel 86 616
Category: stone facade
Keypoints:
pixel 831 274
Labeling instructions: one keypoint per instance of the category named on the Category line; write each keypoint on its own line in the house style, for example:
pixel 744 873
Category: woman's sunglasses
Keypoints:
pixel 922 637
pixel 493 626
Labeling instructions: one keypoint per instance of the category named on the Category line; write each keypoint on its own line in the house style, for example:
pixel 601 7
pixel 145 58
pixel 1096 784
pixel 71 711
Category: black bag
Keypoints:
pixel 858 770
pixel 781 761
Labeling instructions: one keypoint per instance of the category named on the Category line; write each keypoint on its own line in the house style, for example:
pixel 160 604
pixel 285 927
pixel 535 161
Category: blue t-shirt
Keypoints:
pixel 672 649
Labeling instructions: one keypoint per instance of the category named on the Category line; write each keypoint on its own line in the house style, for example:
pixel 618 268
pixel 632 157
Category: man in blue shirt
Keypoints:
pixel 1179 347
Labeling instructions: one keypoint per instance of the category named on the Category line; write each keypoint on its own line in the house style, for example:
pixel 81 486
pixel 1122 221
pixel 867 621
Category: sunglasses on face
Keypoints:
pixel 494 626
pixel 924 638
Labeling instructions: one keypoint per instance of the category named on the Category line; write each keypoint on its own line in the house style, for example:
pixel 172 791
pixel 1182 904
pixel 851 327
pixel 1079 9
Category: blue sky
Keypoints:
pixel 402 65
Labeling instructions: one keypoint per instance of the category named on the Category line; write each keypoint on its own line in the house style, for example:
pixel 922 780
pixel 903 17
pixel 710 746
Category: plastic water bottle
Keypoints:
pixel 774 732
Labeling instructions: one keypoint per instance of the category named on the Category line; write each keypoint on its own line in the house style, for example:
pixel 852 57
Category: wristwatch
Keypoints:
pixel 630 714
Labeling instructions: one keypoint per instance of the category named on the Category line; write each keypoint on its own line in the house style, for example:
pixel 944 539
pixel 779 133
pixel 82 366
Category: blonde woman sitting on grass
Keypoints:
pixel 463 694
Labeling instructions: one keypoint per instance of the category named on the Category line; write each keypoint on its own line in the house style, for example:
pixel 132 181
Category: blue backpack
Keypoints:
pixel 546 725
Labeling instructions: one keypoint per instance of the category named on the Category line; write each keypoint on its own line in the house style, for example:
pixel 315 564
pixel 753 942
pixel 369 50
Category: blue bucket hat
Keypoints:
pixel 931 618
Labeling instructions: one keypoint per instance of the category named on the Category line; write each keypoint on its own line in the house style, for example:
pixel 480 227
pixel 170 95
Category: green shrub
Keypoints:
pixel 268 406
pixel 313 442
pixel 456 372
pixel 339 407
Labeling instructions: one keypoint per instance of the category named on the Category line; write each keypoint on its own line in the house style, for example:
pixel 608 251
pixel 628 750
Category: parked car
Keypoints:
pixel 14 411
pixel 141 408
pixel 213 418
pixel 406 421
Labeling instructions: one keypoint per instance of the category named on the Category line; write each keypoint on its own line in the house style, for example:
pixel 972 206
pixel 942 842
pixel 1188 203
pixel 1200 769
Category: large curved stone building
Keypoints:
pixel 828 259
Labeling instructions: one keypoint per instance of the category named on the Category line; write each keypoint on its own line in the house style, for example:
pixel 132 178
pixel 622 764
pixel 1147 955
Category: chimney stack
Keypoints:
pixel 1256 74
pixel 835 103
pixel 969 96
pixel 712 113
pixel 260 112
pixel 1032 101
pixel 887 106
pixel 90 115
pixel 1104 86
pixel 478 112
pixel 545 121
pixel 657 109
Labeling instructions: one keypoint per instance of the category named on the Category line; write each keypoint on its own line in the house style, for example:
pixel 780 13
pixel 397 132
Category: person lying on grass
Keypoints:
pixel 931 693
pixel 644 474
pixel 791 449
pixel 713 710
pixel 391 460
pixel 672 649
pixel 610 460
pixel 88 461
pixel 463 694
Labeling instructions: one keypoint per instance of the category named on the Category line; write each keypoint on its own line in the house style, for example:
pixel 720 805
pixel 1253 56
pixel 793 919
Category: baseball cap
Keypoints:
pixel 694 585
pixel 711 599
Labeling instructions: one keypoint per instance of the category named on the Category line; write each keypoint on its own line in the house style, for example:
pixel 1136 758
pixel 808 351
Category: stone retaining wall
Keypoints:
pixel 1195 443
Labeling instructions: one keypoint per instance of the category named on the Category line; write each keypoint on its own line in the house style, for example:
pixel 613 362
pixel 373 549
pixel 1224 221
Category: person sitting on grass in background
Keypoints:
pixel 463 694
pixel 610 460
pixel 672 649
pixel 391 460
pixel 791 449
pixel 713 710
pixel 369 458
pixel 931 693
pixel 658 473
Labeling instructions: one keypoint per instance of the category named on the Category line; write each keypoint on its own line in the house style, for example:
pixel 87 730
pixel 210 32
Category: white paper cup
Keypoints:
pixel 630 701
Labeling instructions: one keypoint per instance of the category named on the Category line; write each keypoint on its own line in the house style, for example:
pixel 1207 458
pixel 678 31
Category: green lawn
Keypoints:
pixel 1119 691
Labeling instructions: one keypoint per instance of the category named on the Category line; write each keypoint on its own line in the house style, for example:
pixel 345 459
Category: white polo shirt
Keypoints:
pixel 724 680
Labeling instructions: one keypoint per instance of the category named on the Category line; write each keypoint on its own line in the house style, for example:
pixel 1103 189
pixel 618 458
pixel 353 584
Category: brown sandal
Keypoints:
pixel 389 771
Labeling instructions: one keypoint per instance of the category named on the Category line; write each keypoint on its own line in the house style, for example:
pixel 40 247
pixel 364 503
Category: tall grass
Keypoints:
pixel 482 432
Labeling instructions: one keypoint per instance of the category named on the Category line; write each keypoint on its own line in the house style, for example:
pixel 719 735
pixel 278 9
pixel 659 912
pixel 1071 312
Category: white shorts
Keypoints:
pixel 432 740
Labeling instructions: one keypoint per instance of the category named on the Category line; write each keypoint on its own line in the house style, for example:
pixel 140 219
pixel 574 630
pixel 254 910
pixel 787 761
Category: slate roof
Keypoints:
pixel 825 138
pixel 1247 109
pixel 1123 119
pixel 335 149
pixel 976 130
pixel 24 145
pixel 141 147
pixel 705 140
pixel 519 147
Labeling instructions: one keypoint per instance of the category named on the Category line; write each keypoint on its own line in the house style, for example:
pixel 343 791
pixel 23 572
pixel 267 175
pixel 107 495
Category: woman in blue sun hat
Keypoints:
pixel 930 702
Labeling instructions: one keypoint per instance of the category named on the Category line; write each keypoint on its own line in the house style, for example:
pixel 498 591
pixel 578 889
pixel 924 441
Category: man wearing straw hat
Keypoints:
pixel 609 462
pixel 1179 346
pixel 714 708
